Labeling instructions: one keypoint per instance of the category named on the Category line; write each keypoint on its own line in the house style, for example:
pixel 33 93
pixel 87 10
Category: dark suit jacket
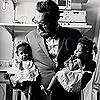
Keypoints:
pixel 67 44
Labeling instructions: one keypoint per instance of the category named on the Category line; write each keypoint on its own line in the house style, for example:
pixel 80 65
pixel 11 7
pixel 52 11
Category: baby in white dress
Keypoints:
pixel 23 72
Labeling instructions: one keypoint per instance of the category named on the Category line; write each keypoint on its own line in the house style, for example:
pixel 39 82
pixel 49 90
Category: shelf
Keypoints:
pixel 11 27
pixel 18 27
pixel 26 0
pixel 83 28
pixel 3 69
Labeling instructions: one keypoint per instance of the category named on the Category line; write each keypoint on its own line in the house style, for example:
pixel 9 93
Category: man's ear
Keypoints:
pixel 57 18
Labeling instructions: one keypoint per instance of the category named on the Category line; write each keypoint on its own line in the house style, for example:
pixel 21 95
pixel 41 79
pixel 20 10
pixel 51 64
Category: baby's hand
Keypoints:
pixel 12 75
pixel 46 91
pixel 42 87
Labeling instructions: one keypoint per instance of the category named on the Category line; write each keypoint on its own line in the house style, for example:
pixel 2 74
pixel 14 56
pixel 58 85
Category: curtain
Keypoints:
pixel 88 93
pixel 96 80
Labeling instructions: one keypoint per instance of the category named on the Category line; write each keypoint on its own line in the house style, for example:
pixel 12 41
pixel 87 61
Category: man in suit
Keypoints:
pixel 51 44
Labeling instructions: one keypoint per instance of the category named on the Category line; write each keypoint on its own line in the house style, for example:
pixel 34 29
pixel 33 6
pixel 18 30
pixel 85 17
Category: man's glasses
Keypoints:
pixel 37 22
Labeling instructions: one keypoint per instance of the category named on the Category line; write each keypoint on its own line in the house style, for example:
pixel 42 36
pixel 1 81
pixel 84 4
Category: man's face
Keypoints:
pixel 45 25
pixel 39 17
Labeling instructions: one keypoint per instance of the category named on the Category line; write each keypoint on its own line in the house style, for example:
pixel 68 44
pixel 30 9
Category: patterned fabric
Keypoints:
pixel 28 73
pixel 52 45
pixel 73 64
pixel 71 79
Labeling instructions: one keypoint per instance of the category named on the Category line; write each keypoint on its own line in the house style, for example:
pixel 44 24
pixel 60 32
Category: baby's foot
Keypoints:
pixel 46 91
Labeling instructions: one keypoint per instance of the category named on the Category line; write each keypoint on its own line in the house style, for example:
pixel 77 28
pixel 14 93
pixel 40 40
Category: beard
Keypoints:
pixel 47 32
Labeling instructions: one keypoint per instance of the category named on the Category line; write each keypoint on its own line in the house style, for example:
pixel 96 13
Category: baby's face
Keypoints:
pixel 23 55
pixel 78 52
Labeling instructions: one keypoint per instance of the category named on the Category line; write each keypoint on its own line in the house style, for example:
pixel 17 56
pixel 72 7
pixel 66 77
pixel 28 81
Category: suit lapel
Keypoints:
pixel 40 41
pixel 61 42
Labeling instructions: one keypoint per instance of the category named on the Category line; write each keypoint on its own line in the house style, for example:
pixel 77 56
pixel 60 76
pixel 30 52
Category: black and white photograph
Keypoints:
pixel 49 50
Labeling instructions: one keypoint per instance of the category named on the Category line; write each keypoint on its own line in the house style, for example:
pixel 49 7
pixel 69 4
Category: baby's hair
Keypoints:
pixel 88 45
pixel 26 47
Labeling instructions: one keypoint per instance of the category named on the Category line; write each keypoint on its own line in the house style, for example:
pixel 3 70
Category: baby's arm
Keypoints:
pixel 73 63
pixel 14 74
pixel 77 64
pixel 34 71
pixel 69 63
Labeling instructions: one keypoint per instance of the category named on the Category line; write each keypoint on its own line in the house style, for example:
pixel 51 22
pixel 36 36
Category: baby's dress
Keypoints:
pixel 29 72
pixel 71 79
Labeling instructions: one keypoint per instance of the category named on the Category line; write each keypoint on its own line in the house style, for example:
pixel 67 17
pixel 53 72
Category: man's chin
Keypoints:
pixel 45 35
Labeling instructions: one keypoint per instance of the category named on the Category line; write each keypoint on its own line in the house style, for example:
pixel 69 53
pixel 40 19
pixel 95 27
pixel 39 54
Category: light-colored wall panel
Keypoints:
pixel 27 9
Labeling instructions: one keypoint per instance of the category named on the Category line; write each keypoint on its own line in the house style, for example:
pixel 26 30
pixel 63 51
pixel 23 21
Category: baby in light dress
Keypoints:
pixel 23 73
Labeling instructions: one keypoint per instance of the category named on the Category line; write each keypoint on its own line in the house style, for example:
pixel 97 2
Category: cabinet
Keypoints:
pixel 5 88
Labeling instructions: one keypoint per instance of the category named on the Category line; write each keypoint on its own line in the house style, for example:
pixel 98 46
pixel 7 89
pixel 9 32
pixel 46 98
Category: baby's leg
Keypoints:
pixel 29 92
pixel 50 87
pixel 26 93
pixel 52 83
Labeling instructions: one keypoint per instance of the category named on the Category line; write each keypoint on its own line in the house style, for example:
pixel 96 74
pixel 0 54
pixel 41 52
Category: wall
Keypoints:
pixel 25 12
pixel 92 7
pixel 5 38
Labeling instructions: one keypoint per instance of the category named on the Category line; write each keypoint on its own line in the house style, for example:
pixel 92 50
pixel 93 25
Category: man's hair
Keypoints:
pixel 48 7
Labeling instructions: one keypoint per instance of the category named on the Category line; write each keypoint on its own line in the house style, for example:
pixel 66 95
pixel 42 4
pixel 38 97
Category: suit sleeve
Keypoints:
pixel 26 39
pixel 87 76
